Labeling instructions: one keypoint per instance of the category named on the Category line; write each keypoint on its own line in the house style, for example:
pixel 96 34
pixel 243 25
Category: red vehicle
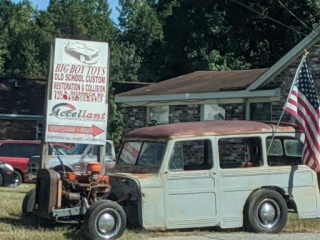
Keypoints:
pixel 18 152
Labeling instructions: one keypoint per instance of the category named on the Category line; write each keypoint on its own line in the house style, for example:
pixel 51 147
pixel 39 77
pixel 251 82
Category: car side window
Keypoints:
pixel 191 155
pixel 276 147
pixel 240 152
pixel 293 147
pixel 30 150
pixel 94 150
pixel 284 151
pixel 10 150
pixel 108 149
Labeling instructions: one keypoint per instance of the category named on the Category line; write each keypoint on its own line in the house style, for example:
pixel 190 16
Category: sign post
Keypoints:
pixel 45 148
pixel 77 95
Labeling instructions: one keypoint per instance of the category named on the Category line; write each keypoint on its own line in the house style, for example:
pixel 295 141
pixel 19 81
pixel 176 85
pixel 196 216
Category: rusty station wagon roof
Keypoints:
pixel 209 128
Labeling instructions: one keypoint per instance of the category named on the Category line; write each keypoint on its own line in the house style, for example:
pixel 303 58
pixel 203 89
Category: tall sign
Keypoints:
pixel 77 107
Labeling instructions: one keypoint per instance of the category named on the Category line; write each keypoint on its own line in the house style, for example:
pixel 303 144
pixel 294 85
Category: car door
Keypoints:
pixel 191 185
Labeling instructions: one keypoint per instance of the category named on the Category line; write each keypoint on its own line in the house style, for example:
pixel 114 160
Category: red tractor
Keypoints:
pixel 69 196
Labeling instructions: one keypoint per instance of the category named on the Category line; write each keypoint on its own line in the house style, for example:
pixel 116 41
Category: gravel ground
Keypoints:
pixel 247 236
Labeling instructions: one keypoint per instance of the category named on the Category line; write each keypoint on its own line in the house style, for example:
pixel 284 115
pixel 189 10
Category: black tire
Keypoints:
pixel 28 202
pixel 17 178
pixel 1 179
pixel 265 212
pixel 113 214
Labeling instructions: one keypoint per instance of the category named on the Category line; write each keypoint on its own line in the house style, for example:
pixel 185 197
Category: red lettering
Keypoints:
pixel 62 68
pixel 103 71
pixel 76 69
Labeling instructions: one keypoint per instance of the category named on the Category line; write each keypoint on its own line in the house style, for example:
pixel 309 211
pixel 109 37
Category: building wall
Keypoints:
pixel 184 113
pixel 235 111
pixel 18 129
pixel 136 117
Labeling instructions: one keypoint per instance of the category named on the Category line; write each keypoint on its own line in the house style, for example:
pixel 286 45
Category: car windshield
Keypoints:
pixel 80 45
pixel 142 153
pixel 78 149
pixel 60 150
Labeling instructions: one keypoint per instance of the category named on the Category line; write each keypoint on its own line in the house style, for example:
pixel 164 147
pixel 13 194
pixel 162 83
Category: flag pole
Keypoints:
pixel 294 80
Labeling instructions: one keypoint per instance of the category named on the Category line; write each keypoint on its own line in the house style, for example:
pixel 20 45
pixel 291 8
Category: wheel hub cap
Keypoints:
pixel 106 223
pixel 267 212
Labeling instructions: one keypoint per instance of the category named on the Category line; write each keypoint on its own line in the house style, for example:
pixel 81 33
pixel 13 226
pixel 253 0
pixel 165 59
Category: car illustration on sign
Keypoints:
pixel 82 52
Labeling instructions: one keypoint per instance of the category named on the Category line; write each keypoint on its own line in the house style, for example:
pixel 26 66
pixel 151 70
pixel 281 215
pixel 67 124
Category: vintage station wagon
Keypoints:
pixel 214 173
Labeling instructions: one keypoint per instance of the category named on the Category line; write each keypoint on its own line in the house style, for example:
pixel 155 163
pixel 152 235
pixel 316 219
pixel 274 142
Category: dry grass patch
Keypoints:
pixel 13 226
pixel 295 225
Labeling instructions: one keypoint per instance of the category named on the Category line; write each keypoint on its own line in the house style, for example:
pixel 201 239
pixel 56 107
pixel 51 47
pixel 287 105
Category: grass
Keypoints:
pixel 13 226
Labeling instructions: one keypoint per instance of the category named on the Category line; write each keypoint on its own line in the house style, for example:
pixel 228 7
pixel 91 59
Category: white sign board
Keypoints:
pixel 77 111
pixel 76 122
pixel 80 71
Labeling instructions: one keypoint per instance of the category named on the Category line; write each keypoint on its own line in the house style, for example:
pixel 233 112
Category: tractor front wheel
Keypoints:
pixel 104 220
pixel 28 202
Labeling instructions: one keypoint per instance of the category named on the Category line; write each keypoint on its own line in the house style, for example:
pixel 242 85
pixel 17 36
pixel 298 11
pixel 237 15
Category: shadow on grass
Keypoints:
pixel 76 234
pixel 19 221
pixel 37 224
pixel 74 230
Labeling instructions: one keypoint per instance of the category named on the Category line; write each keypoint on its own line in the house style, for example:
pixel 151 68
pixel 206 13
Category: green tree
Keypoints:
pixel 19 46
pixel 195 38
pixel 262 41
pixel 6 9
pixel 141 29
pixel 202 34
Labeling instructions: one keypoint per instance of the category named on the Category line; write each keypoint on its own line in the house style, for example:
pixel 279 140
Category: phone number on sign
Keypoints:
pixel 79 96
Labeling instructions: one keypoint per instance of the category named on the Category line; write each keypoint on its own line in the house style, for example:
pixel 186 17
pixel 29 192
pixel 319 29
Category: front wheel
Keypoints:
pixel 82 58
pixel 265 211
pixel 104 220
pixel 17 178
pixel 28 202
pixel 1 179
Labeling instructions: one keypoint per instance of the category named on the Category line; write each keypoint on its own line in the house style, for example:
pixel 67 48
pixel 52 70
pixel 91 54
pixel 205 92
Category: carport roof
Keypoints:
pixel 200 82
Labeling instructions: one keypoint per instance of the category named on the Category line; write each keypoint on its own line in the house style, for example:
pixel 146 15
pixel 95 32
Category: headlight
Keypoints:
pixel 9 166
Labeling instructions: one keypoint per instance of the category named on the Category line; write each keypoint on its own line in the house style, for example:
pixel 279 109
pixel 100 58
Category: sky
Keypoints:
pixel 43 4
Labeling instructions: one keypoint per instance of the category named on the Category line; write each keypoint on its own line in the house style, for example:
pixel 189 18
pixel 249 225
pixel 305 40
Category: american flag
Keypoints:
pixel 303 104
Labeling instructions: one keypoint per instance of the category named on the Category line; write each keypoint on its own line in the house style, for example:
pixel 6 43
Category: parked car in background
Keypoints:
pixel 18 153
pixel 76 161
pixel 8 176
